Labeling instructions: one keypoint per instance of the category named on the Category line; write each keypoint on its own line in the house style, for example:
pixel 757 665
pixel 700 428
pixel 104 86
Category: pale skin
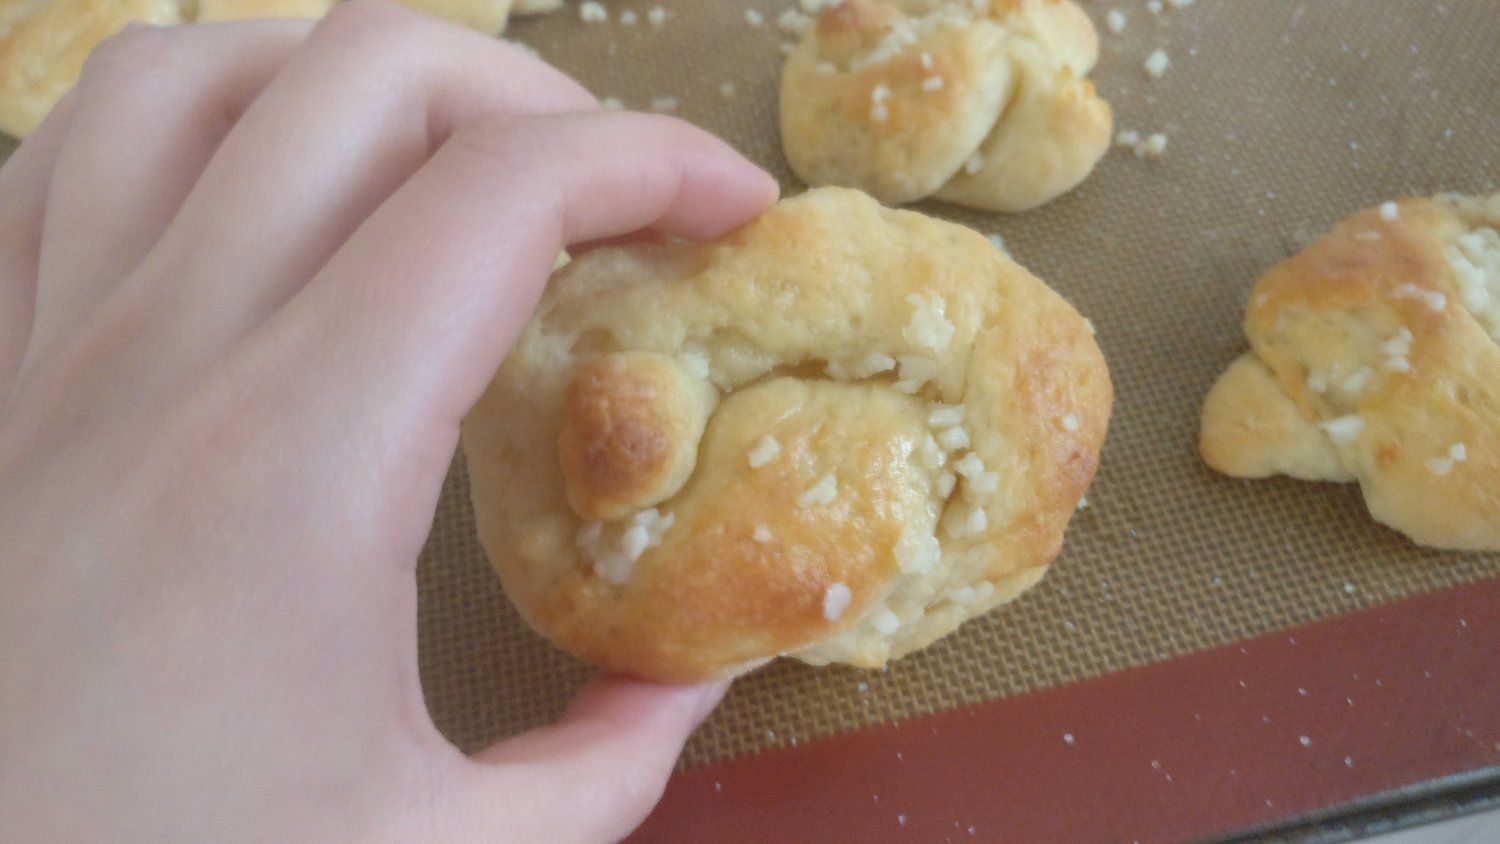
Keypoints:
pixel 251 277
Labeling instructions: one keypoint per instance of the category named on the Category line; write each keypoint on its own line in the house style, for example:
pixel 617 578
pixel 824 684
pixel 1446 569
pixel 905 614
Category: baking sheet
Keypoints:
pixel 1283 117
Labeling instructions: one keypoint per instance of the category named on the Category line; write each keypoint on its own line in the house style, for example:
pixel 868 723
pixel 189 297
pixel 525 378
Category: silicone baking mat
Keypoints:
pixel 1282 118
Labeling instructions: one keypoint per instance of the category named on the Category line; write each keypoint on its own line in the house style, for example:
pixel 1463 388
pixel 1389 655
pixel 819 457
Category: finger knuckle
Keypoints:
pixel 488 142
pixel 370 28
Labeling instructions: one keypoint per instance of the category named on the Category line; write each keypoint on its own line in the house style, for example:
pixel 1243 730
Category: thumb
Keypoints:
pixel 594 775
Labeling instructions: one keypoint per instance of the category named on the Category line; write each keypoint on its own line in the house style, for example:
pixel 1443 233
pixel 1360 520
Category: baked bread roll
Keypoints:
pixel 488 16
pixel 1375 357
pixel 213 11
pixel 835 434
pixel 43 44
pixel 979 102
pixel 535 7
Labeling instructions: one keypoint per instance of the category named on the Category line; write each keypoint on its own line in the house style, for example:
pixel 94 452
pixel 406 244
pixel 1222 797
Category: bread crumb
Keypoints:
pixel 1474 258
pixel 1068 739
pixel 1358 379
pixel 1070 422
pixel 696 363
pixel 1089 324
pixel 820 493
pixel 787 48
pixel 1458 452
pixel 726 90
pixel 928 328
pixel 976 522
pixel 1400 344
pixel 1181 4
pixel 764 451
pixel 628 17
pixel 932 83
pixel 954 438
pixel 974 164
pixel 1398 363
pixel 916 552
pixel 1343 429
pixel 1156 64
pixel 1083 502
pixel 971 467
pixel 1153 147
pixel 1306 742
pixel 827 68
pixel 926 59
pixel 946 481
pixel 945 415
pixel 914 371
pixel 615 561
pixel 592 11
pixel 761 534
pixel 878 95
pixel 754 18
pixel 836 599
pixel 1389 211
pixel 664 104
pixel 612 103
pixel 795 22
pixel 873 364
pixel 1433 299
pixel 998 242
pixel 1153 6
pixel 633 541
pixel 656 16
pixel 885 621
pixel 1440 466
pixel 1115 20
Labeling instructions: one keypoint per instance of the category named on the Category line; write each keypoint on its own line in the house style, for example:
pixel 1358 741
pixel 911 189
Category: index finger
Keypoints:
pixel 425 299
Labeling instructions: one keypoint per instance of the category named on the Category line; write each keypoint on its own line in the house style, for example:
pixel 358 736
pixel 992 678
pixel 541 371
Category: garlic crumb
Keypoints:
pixel 1157 63
pixel 764 451
pixel 836 599
pixel 820 493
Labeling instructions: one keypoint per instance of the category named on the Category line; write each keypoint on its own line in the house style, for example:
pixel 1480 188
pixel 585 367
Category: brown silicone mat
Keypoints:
pixel 1283 117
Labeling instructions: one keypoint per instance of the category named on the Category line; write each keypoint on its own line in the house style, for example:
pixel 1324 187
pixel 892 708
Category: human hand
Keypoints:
pixel 251 278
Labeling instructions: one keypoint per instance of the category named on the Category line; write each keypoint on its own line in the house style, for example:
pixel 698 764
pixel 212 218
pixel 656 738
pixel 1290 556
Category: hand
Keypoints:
pixel 251 278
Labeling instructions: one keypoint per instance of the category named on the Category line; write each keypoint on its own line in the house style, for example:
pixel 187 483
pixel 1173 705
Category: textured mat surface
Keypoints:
pixel 1283 118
